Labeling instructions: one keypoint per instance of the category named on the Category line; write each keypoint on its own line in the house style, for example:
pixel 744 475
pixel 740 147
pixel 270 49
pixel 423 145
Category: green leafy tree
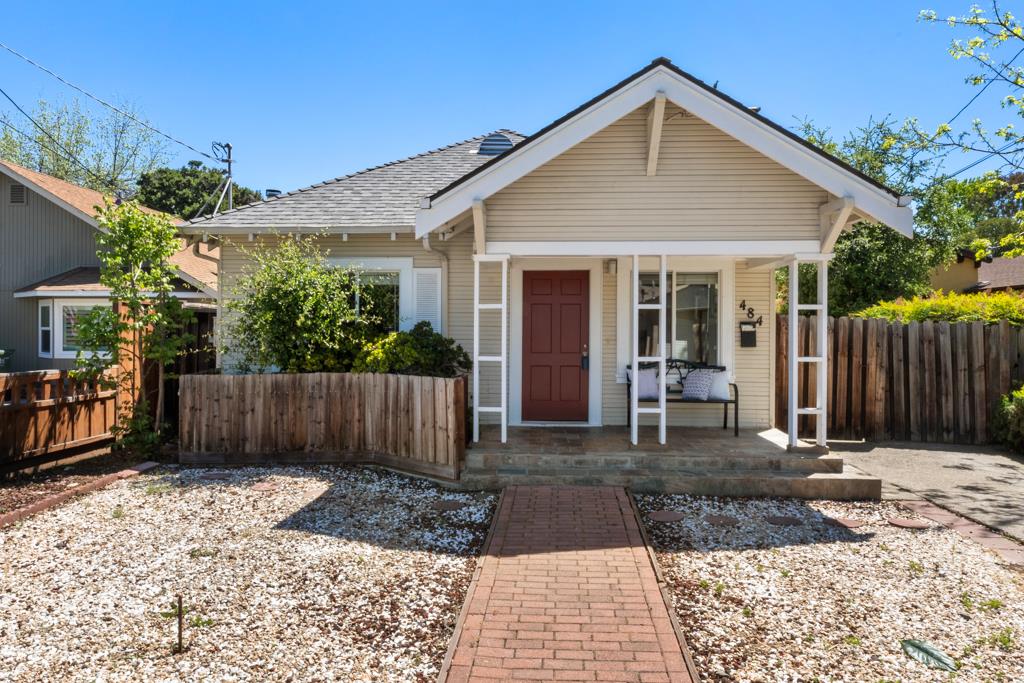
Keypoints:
pixel 134 251
pixel 112 152
pixel 189 191
pixel 293 311
pixel 872 262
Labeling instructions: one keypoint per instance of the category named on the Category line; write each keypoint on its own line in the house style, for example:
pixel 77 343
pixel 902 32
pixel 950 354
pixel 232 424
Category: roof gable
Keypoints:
pixel 662 78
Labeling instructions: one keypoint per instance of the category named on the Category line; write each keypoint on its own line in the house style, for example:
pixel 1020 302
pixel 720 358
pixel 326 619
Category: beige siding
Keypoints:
pixel 708 186
pixel 37 240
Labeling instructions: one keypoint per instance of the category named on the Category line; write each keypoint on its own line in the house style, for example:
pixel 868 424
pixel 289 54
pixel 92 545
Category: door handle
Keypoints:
pixel 585 360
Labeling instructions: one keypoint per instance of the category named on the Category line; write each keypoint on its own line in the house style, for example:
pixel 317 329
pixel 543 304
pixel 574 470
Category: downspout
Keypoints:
pixel 444 280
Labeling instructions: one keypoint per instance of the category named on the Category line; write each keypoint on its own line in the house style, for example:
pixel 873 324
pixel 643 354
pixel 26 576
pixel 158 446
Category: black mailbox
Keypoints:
pixel 748 334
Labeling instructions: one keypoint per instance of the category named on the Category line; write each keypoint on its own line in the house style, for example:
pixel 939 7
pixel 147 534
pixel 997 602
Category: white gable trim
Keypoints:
pixel 869 199
pixel 40 190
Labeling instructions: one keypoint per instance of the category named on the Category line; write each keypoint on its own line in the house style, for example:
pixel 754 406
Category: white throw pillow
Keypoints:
pixel 720 386
pixel 647 387
pixel 697 385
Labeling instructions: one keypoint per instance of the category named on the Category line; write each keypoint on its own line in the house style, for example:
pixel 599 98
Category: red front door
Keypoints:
pixel 556 332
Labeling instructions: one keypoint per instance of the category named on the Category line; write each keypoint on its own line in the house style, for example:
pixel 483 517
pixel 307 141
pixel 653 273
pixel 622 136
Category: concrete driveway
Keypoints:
pixel 980 483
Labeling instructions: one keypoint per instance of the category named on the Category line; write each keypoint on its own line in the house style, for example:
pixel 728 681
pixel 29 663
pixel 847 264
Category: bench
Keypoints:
pixel 681 368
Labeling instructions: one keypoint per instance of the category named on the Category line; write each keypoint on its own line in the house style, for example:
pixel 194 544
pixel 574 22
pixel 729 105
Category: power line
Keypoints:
pixel 107 104
pixel 982 159
pixel 109 183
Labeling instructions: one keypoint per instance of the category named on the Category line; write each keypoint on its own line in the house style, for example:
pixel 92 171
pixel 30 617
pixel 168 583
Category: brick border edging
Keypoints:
pixel 1008 548
pixel 666 595
pixel 453 643
pixel 58 498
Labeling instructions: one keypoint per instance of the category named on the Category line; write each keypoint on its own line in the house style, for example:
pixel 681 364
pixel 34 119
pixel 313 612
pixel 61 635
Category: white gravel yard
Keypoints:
pixel 759 602
pixel 316 574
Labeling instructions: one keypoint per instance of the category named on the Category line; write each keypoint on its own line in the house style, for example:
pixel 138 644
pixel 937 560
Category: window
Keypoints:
pixel 46 329
pixel 401 294
pixel 380 298
pixel 692 320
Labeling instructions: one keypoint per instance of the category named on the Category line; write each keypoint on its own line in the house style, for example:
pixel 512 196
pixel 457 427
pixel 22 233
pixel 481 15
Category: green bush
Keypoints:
pixel 1008 422
pixel 951 307
pixel 420 351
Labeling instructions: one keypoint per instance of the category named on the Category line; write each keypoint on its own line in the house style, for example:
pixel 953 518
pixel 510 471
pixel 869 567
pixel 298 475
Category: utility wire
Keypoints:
pixel 978 161
pixel 105 182
pixel 107 104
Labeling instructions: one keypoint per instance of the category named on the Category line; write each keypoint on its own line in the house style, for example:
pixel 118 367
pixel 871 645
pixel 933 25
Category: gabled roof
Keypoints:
pixel 999 273
pixel 197 269
pixel 379 199
pixel 871 198
pixel 79 200
pixel 85 281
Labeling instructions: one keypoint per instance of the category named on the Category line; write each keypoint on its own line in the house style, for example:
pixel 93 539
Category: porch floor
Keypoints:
pixel 701 461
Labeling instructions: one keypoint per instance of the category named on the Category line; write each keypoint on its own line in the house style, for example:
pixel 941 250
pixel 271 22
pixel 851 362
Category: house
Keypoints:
pixel 49 271
pixel 643 225
pixel 969 274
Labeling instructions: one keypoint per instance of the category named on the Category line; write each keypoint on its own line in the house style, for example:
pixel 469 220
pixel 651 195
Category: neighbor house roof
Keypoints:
pixel 379 199
pixel 870 198
pixel 1000 273
pixel 81 200
pixel 84 281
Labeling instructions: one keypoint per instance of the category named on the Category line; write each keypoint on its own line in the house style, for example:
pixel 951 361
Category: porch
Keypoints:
pixel 694 460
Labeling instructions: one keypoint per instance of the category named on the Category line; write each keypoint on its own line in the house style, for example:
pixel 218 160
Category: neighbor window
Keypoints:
pixel 46 329
pixel 692 317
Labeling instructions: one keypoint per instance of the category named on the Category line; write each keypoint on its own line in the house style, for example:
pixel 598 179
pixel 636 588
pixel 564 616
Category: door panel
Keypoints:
pixel 556 332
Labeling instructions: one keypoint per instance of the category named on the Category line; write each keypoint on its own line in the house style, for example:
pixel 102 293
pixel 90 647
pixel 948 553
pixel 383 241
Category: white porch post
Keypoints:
pixel 634 411
pixel 791 357
pixel 501 359
pixel 822 352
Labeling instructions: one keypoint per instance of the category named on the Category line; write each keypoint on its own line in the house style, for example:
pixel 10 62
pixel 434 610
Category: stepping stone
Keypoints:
pixel 446 505
pixel 906 523
pixel 665 516
pixel 265 486
pixel 845 522
pixel 783 520
pixel 721 520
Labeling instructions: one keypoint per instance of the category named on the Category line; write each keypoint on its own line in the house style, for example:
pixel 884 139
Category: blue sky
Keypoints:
pixel 307 91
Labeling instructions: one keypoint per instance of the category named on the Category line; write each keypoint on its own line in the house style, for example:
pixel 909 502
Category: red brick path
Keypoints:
pixel 566 592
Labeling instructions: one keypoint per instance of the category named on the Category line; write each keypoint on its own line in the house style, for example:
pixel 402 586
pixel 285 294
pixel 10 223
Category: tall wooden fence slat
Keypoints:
pixel 415 423
pixel 45 413
pixel 926 381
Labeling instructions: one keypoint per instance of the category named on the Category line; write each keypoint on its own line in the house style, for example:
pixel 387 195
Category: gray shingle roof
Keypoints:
pixel 383 198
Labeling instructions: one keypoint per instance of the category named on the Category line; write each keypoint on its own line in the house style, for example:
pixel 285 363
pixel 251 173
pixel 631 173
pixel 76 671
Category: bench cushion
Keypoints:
pixel 697 385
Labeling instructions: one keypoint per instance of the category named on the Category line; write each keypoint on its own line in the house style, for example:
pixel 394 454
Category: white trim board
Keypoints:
pixel 730 119
pixel 515 368
pixel 733 248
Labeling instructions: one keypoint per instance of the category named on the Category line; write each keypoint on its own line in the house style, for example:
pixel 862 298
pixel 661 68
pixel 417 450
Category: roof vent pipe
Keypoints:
pixel 272 193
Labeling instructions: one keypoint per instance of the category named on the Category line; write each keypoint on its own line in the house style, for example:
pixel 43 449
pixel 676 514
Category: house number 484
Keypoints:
pixel 750 313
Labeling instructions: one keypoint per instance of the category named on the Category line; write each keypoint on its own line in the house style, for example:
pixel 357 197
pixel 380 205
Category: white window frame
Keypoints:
pixel 393 264
pixel 40 328
pixel 725 268
pixel 57 322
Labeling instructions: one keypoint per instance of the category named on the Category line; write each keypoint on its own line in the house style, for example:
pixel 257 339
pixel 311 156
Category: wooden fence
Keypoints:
pixel 46 412
pixel 930 381
pixel 414 423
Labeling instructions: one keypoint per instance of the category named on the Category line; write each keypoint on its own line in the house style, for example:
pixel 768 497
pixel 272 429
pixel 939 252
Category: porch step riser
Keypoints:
pixel 766 484
pixel 485 463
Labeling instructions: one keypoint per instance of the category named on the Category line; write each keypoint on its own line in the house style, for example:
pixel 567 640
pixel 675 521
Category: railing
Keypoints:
pixel 408 422
pixel 47 412
pixel 929 381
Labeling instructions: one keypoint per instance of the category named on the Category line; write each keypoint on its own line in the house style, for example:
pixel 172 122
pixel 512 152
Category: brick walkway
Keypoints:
pixel 566 591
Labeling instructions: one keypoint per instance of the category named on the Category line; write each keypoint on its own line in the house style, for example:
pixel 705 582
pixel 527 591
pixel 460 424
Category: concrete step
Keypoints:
pixel 636 463
pixel 847 485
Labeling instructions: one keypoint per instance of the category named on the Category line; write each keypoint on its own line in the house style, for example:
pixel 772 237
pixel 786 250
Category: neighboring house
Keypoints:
pixel 968 274
pixel 49 271
pixel 529 250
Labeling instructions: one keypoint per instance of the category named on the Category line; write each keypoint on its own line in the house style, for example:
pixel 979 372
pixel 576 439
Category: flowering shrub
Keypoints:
pixel 951 307
pixel 420 351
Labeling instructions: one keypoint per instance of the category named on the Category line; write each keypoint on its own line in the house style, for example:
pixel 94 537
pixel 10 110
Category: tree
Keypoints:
pixel 134 251
pixel 872 262
pixel 187 191
pixel 111 152
pixel 293 311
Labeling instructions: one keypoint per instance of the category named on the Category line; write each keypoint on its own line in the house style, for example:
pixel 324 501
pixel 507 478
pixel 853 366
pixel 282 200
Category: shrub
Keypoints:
pixel 1008 422
pixel 420 351
pixel 951 307
pixel 296 312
